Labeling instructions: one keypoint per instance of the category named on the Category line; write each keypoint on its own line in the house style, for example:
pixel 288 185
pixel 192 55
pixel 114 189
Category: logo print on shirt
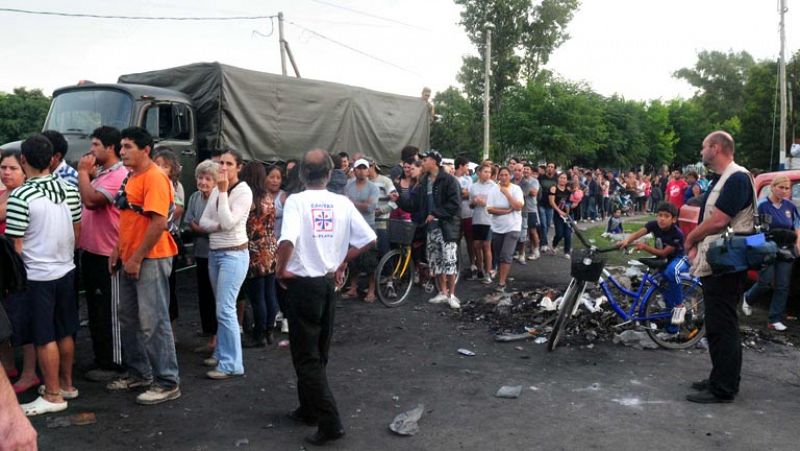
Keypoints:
pixel 323 219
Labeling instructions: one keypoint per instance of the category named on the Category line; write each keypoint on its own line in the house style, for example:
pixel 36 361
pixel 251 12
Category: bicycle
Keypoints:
pixel 647 307
pixel 394 275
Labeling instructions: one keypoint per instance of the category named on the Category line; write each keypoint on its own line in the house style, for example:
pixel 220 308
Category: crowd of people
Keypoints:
pixel 281 236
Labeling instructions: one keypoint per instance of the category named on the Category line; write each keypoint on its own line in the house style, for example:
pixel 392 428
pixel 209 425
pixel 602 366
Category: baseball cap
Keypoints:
pixel 361 162
pixel 432 154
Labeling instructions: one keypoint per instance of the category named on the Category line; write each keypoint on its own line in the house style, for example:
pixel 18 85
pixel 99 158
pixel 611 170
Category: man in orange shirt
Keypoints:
pixel 140 266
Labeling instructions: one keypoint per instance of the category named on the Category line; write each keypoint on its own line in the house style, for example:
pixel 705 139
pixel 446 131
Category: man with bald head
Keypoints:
pixel 729 203
pixel 321 233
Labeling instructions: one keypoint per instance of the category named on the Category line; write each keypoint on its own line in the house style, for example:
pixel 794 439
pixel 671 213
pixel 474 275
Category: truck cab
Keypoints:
pixel 167 115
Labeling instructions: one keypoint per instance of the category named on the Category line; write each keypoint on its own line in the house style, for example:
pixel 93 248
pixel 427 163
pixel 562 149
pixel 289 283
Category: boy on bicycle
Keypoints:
pixel 669 245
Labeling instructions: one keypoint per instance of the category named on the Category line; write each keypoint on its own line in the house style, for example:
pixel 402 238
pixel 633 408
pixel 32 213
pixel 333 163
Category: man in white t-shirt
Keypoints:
pixel 320 234
pixel 465 212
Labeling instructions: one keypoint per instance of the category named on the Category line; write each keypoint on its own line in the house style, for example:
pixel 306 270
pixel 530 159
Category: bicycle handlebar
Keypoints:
pixel 571 223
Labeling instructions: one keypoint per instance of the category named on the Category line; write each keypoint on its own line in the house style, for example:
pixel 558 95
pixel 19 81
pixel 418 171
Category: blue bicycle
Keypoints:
pixel 647 308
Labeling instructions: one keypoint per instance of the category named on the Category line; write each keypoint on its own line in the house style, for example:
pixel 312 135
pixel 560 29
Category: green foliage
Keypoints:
pixel 458 129
pixel 22 113
pixel 759 127
pixel 691 125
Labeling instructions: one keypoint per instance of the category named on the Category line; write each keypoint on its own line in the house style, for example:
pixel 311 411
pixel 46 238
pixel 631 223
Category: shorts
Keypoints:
pixel 523 233
pixel 503 246
pixel 466 228
pixel 442 256
pixel 480 232
pixel 533 219
pixel 366 262
pixel 45 311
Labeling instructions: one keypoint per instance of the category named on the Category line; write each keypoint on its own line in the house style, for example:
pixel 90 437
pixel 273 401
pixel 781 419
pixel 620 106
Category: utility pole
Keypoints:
pixel 282 43
pixel 486 85
pixel 782 81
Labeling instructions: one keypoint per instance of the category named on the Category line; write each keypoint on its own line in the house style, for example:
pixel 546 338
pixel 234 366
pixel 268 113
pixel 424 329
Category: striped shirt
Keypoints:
pixel 42 212
pixel 67 173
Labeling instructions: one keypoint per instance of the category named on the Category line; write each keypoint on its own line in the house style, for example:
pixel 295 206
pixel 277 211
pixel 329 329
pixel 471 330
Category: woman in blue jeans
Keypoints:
pixel 777 213
pixel 225 219
pixel 263 245
pixel 559 201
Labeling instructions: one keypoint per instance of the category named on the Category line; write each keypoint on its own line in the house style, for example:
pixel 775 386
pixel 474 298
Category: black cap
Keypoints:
pixel 432 154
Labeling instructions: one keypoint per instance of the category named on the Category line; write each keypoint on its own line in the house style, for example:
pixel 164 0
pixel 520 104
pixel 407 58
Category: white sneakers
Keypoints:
pixel 779 326
pixel 746 309
pixel 438 299
pixel 453 302
pixel 535 255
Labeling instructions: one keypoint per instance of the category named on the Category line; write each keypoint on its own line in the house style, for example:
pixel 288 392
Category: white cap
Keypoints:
pixel 361 161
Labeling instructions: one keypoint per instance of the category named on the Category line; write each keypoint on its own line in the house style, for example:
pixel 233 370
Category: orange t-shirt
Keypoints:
pixel 152 191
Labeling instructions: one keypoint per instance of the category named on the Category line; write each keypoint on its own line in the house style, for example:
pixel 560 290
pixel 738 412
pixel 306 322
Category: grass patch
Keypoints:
pixel 628 226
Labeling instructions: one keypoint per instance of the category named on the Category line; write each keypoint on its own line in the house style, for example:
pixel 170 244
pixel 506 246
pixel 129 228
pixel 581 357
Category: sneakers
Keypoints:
pixel 157 395
pixel 221 375
pixel 779 326
pixel 545 249
pixel 210 362
pixel 487 280
pixel 535 255
pixel 42 406
pixel 521 259
pixel 284 326
pixel 128 383
pixel 438 299
pixel 567 256
pixel 473 274
pixel 500 289
pixel 453 302
pixel 677 315
pixel 746 308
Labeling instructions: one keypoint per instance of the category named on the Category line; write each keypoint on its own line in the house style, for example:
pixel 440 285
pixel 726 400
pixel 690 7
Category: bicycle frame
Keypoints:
pixel 640 297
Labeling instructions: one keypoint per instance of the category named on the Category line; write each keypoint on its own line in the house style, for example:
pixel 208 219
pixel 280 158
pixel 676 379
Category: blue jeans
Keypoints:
pixel 562 231
pixel 779 275
pixel 227 270
pixel 146 335
pixel 545 218
pixel 264 299
pixel 591 208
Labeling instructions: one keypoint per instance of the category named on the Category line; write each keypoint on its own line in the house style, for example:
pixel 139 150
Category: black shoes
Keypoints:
pixel 298 417
pixel 706 397
pixel 700 385
pixel 320 438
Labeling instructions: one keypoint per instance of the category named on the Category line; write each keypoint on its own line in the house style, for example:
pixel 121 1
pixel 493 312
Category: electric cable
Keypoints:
pixel 109 16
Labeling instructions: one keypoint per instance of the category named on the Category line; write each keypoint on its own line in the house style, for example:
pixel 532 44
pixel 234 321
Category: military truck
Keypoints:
pixel 199 107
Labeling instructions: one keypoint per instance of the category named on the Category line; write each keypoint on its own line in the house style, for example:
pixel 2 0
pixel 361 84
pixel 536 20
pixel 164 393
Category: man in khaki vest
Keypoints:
pixel 729 203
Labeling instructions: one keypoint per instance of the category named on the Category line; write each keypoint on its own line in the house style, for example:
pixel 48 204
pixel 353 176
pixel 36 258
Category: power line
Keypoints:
pixel 374 16
pixel 351 48
pixel 103 16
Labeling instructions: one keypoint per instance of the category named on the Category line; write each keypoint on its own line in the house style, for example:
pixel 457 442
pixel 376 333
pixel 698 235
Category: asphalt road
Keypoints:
pixel 385 361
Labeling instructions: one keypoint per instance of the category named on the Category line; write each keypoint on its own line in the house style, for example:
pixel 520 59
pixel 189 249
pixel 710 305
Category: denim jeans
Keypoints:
pixel 264 299
pixel 545 218
pixel 227 270
pixel 562 231
pixel 779 275
pixel 591 208
pixel 147 343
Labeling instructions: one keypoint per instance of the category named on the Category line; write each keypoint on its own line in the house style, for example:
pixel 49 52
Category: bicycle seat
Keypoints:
pixel 654 263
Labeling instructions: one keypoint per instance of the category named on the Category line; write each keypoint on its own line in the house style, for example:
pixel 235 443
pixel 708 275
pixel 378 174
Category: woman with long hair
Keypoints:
pixel 260 282
pixel 559 201
pixel 225 219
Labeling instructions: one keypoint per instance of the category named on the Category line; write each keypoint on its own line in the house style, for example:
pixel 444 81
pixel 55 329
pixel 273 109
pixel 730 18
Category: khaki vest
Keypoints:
pixel 743 222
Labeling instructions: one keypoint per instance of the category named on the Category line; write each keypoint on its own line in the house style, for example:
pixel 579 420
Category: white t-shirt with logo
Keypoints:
pixel 465 181
pixel 511 222
pixel 481 189
pixel 322 226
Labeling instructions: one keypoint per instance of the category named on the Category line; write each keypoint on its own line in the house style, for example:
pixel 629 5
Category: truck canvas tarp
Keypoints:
pixel 271 117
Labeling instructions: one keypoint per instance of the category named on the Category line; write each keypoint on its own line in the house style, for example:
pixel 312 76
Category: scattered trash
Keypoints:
pixel 466 352
pixel 519 348
pixel 513 337
pixel 636 339
pixel 283 344
pixel 547 304
pixel 406 422
pixel 540 340
pixel 395 398
pixel 242 442
pixel 78 419
pixel 509 391
pixel 633 271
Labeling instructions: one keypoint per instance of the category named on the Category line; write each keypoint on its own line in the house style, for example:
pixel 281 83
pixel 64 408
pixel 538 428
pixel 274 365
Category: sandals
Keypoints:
pixel 23 388
pixel 66 394
pixel 42 406
pixel 370 299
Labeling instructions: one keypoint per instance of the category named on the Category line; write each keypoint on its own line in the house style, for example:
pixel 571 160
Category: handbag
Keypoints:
pixel 735 253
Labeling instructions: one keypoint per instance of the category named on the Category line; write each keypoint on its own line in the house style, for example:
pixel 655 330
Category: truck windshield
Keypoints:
pixel 80 112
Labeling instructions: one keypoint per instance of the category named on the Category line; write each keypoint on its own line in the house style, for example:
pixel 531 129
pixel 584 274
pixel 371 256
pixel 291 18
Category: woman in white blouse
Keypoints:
pixel 225 219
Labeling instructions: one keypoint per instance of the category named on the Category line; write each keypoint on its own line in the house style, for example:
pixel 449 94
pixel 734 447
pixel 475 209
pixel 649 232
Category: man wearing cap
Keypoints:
pixel 439 201
pixel 321 233
pixel 364 195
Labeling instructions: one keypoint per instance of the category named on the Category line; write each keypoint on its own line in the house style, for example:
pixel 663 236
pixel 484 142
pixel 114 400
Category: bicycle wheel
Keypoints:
pixel 394 277
pixel 659 318
pixel 565 311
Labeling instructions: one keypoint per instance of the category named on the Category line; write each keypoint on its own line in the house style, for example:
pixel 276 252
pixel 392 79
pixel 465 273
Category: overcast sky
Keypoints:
pixel 629 47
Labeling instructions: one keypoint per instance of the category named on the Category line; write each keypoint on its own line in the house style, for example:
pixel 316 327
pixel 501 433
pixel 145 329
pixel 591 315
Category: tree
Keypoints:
pixel 22 113
pixel 757 141
pixel 720 79
pixel 691 125
pixel 660 138
pixel 458 128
